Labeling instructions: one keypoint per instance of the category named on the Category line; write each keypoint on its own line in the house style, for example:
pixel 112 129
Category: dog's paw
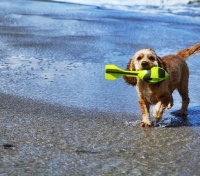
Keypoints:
pixel 145 125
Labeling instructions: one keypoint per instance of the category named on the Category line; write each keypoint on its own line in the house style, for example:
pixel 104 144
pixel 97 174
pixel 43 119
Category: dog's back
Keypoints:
pixel 177 67
pixel 178 71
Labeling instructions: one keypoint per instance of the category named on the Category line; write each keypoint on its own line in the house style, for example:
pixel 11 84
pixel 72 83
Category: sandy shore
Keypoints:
pixel 38 138
pixel 45 139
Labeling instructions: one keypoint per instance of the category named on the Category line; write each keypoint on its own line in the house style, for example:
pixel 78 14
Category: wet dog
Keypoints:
pixel 160 94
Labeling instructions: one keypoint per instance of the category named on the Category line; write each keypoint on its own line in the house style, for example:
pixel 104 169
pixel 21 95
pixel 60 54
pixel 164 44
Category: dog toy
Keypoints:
pixel 153 75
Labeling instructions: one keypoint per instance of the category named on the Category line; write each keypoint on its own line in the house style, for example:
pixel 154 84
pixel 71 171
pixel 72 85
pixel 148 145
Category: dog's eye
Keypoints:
pixel 139 58
pixel 151 58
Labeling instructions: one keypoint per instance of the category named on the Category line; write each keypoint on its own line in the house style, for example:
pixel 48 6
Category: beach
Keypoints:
pixel 44 139
pixel 59 116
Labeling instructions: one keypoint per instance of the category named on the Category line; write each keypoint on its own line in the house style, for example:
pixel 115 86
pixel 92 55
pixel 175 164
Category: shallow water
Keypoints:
pixel 56 55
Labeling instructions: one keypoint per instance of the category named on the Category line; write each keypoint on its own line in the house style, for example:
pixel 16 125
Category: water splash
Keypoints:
pixel 132 123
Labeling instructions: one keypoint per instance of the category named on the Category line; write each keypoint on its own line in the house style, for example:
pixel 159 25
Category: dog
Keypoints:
pixel 160 94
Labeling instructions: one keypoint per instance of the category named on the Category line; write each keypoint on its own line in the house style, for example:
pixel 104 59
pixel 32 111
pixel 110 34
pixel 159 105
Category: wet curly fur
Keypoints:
pixel 160 94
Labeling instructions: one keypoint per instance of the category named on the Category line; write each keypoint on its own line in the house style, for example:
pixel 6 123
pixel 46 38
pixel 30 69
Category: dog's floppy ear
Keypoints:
pixel 130 80
pixel 160 63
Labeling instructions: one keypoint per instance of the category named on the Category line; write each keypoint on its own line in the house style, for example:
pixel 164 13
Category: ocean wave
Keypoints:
pixel 131 2
pixel 177 7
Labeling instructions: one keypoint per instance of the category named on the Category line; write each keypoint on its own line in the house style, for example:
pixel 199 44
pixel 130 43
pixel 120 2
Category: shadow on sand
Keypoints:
pixel 192 119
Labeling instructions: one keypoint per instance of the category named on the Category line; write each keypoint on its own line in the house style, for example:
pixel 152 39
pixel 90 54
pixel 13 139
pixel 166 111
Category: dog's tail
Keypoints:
pixel 185 53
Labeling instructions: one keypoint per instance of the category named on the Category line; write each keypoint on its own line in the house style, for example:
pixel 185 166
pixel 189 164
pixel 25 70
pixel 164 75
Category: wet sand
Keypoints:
pixel 47 139
pixel 58 114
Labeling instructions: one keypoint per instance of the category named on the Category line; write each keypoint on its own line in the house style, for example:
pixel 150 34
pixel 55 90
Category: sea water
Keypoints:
pixel 181 7
pixel 58 53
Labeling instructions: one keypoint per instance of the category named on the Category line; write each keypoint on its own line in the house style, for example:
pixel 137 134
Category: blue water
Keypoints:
pixel 56 52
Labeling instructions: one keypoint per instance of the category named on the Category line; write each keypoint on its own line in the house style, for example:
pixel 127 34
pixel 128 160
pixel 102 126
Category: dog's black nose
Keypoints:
pixel 144 64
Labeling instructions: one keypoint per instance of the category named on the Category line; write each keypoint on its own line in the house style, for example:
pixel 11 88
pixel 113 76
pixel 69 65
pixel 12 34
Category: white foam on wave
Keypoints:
pixel 128 2
pixel 177 7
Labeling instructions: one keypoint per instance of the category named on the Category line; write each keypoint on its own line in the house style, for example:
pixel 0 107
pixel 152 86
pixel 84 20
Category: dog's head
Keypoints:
pixel 145 59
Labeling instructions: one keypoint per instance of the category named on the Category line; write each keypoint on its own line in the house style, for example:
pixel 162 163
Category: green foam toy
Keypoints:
pixel 153 75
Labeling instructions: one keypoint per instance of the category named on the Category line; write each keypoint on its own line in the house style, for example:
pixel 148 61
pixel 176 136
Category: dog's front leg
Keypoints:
pixel 165 102
pixel 158 111
pixel 144 107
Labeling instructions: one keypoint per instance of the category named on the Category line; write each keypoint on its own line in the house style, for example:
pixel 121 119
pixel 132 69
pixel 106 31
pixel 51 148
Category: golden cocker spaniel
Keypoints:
pixel 160 94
